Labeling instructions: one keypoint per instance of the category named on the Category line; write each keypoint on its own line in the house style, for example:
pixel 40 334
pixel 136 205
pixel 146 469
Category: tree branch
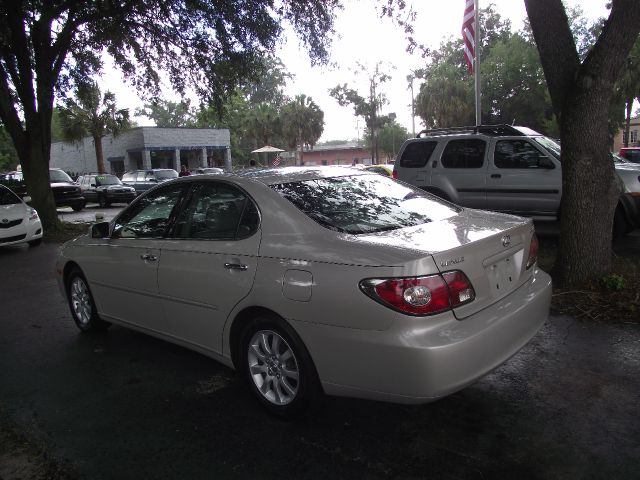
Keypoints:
pixel 558 53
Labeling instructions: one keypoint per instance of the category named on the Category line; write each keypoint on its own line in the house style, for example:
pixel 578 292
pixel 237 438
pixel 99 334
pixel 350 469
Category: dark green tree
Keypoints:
pixel 368 107
pixel 390 138
pixel 212 45
pixel 166 113
pixel 8 155
pixel 302 123
pixel 94 115
pixel 581 94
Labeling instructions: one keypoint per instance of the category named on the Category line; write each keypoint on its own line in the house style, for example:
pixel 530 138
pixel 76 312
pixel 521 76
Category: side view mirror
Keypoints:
pixel 100 230
pixel 26 199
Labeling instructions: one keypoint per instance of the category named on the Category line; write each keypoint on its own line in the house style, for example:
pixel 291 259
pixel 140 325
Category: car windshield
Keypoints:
pixel 59 176
pixel 166 174
pixel 364 203
pixel 7 197
pixel 107 180
pixel 550 145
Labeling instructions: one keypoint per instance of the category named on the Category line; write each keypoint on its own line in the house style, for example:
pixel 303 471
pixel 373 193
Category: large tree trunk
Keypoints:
pixel 581 96
pixel 97 142
pixel 589 192
pixel 35 168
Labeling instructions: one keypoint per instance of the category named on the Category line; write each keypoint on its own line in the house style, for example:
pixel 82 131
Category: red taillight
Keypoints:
pixel 419 296
pixel 395 173
pixel 533 251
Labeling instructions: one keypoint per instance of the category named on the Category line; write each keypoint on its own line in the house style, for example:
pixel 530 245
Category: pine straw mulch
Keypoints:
pixel 614 299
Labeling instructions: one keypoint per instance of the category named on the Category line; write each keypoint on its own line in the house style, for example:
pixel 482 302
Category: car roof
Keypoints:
pixel 272 176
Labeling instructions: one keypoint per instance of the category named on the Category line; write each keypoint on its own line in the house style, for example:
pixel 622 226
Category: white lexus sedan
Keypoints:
pixel 19 223
pixel 315 280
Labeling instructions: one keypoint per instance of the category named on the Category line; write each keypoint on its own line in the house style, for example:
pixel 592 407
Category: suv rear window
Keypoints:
pixel 364 203
pixel 465 153
pixel 417 154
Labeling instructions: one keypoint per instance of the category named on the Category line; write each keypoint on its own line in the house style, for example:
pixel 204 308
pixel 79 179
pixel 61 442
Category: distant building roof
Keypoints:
pixel 339 146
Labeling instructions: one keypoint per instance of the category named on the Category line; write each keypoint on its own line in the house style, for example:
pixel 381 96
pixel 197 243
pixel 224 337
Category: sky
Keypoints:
pixel 362 36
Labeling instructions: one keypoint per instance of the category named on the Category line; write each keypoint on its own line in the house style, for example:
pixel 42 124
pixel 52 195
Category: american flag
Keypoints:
pixel 468 33
pixel 276 161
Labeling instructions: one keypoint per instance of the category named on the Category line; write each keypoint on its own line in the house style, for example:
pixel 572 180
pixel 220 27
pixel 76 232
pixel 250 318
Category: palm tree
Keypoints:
pixel 92 115
pixel 302 123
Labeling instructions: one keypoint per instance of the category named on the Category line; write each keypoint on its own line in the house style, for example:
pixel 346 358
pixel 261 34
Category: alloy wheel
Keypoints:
pixel 81 300
pixel 273 367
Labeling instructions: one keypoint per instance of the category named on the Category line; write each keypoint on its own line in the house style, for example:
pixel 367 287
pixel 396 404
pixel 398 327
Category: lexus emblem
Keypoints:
pixel 506 240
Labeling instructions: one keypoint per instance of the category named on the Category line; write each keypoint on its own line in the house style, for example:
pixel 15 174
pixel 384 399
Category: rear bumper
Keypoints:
pixel 121 197
pixel 420 360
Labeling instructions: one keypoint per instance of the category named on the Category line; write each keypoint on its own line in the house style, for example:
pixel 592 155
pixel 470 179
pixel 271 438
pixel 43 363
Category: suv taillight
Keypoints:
pixel 421 296
pixel 533 251
pixel 395 173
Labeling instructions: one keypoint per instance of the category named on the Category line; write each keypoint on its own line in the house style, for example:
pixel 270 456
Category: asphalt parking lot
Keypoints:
pixel 123 405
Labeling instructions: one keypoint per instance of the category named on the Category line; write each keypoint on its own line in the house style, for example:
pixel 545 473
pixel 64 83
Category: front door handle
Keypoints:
pixel 148 257
pixel 496 175
pixel 235 266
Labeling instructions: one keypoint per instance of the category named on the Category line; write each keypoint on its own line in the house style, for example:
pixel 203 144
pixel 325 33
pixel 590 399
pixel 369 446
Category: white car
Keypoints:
pixel 315 280
pixel 19 222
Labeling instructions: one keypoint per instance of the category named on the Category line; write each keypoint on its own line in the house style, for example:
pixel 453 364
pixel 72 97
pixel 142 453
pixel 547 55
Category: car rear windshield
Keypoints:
pixel 364 203
pixel 166 174
pixel 58 176
pixel 107 180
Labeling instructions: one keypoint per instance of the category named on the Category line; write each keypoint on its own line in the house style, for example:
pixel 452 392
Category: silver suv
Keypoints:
pixel 501 168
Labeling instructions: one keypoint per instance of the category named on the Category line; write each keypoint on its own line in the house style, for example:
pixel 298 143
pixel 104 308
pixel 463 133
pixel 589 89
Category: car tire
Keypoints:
pixel 77 207
pixel 83 308
pixel 35 243
pixel 102 201
pixel 278 368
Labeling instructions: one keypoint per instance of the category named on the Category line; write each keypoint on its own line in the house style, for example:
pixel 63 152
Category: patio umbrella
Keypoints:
pixel 269 149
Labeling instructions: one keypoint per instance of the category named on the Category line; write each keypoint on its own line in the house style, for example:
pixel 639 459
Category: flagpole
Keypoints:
pixel 476 61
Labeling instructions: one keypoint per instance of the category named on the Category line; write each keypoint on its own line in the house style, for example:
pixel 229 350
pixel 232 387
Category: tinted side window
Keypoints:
pixel 518 154
pixel 150 217
pixel 213 213
pixel 467 153
pixel 417 154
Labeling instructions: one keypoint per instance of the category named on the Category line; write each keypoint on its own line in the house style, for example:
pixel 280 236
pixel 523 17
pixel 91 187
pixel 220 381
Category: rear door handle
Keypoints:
pixel 496 175
pixel 235 266
pixel 148 257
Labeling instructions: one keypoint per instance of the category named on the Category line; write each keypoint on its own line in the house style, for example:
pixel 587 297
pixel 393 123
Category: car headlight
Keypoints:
pixel 33 215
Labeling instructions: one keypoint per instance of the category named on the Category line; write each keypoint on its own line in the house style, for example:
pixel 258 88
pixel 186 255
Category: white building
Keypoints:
pixel 147 147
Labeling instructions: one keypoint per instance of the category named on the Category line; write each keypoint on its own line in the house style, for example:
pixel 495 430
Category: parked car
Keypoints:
pixel 105 189
pixel 385 169
pixel 631 154
pixel 495 167
pixel 19 222
pixel 66 192
pixel 310 280
pixel 143 180
pixel 207 171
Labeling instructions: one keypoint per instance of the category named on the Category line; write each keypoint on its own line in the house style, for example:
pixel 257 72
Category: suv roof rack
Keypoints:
pixel 491 130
